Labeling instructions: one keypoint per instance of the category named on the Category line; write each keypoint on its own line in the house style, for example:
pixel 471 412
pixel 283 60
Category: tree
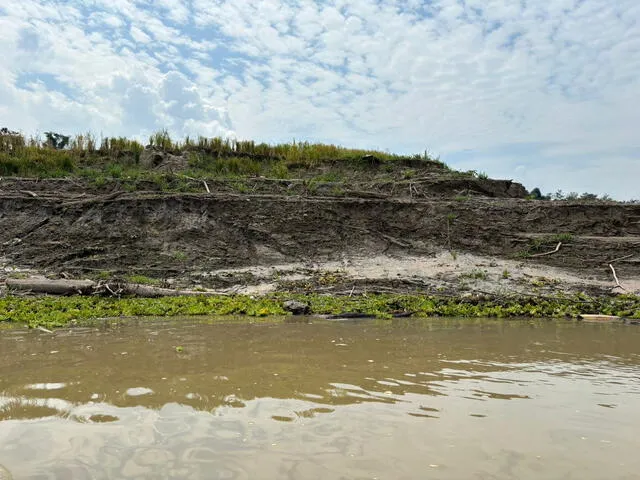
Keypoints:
pixel 57 140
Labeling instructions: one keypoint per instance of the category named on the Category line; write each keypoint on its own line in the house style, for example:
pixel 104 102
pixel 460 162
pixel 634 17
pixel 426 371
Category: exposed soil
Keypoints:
pixel 442 234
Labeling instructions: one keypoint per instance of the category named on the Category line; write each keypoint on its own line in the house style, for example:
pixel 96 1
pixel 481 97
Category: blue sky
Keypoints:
pixel 545 92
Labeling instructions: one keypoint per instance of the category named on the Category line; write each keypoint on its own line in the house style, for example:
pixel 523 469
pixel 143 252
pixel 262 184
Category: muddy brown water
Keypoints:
pixel 441 399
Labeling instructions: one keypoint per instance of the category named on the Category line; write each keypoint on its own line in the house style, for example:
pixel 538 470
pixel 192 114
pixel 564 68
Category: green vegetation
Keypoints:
pixel 451 217
pixel 536 194
pixel 476 274
pixel 545 243
pixel 142 280
pixel 84 155
pixel 53 312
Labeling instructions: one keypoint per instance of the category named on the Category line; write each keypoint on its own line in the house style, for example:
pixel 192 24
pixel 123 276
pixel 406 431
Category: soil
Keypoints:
pixel 437 234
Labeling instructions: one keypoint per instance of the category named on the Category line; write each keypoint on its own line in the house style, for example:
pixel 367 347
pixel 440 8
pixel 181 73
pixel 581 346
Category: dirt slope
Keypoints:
pixel 221 238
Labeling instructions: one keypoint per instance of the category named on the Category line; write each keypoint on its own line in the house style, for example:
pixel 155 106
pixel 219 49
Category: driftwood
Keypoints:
pixel 61 286
pixel 358 315
pixel 548 253
pixel 65 286
pixel 600 318
pixel 615 277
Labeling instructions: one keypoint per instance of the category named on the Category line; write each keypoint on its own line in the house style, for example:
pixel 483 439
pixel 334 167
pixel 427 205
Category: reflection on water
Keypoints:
pixel 438 399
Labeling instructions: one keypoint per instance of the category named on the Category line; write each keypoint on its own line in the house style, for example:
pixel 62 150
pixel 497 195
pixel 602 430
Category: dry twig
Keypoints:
pixel 548 253
pixel 620 258
pixel 615 277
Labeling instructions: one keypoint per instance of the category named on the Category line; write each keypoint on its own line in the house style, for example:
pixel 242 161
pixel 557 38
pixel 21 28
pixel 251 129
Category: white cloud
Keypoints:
pixel 450 76
pixel 177 10
pixel 139 36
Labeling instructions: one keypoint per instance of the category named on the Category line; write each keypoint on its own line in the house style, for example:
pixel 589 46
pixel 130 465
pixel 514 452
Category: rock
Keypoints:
pixel 516 190
pixel 151 158
pixel 158 159
pixel 295 307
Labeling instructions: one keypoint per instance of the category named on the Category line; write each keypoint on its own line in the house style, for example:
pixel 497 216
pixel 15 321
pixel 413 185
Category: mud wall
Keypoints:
pixel 208 232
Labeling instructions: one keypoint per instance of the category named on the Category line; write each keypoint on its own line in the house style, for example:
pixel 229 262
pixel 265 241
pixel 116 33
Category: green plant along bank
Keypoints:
pixel 63 311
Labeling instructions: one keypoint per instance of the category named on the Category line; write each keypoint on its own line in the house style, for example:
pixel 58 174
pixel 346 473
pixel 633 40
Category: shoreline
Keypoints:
pixel 54 312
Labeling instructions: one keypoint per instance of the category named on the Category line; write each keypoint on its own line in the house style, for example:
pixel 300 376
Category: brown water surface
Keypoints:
pixel 441 399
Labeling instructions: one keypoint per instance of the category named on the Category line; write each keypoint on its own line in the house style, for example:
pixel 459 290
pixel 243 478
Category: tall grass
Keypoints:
pixel 20 156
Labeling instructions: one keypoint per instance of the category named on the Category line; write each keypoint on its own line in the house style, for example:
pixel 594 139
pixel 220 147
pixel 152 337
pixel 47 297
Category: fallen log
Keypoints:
pixel 150 291
pixel 63 286
pixel 600 318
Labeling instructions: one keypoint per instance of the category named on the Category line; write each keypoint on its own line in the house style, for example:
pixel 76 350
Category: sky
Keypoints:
pixel 544 92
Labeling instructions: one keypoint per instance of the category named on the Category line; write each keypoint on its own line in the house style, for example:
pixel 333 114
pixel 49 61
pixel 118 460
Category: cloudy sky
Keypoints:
pixel 546 92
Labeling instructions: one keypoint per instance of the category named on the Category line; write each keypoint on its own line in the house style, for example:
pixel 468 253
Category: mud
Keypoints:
pixel 261 242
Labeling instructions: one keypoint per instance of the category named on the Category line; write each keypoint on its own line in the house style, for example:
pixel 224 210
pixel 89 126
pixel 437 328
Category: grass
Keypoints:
pixel 119 157
pixel 545 243
pixel 54 312
pixel 143 280
pixel 476 274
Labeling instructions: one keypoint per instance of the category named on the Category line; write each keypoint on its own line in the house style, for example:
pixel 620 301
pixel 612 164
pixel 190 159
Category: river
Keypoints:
pixel 410 399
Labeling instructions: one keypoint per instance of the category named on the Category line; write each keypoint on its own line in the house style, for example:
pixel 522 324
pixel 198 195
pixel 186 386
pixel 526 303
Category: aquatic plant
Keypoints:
pixel 62 311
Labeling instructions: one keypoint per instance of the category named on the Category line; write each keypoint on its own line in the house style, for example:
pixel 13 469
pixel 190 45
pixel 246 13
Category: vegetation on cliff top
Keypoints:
pixel 108 160
pixel 62 311
pixel 59 155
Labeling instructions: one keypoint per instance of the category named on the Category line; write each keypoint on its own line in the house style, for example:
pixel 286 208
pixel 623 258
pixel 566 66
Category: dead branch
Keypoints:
pixel 548 253
pixel 185 176
pixel 393 240
pixel 388 238
pixel 29 192
pixel 96 199
pixel 365 194
pixel 151 291
pixel 25 233
pixel 64 286
pixel 620 258
pixel 615 277
pixel 206 186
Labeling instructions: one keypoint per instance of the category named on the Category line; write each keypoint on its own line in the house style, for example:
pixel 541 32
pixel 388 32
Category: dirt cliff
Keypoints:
pixel 434 234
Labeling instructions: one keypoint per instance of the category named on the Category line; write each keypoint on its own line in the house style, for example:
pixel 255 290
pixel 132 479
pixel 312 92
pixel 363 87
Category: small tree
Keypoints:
pixel 57 140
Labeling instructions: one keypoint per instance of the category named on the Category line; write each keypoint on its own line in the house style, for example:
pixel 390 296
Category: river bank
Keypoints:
pixel 51 312
pixel 255 225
